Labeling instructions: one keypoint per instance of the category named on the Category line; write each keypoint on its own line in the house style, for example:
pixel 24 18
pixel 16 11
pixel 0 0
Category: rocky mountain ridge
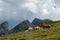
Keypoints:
pixel 24 25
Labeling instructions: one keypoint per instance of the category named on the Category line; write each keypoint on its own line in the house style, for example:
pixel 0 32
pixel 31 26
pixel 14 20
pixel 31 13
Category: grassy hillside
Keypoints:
pixel 44 34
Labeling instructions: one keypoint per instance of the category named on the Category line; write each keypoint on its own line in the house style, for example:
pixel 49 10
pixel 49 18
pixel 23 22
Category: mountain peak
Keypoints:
pixel 37 21
pixel 24 25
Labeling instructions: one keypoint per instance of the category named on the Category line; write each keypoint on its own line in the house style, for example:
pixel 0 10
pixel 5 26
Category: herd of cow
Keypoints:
pixel 37 28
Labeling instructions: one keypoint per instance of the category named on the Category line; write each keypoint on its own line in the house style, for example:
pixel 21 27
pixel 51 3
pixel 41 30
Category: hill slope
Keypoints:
pixel 44 34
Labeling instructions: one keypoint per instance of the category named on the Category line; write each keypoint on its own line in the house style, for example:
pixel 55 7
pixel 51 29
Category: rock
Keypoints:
pixel 4 28
pixel 24 25
pixel 37 22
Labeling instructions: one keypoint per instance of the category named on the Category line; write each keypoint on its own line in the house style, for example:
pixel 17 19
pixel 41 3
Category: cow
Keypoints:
pixel 30 29
pixel 46 26
pixel 37 28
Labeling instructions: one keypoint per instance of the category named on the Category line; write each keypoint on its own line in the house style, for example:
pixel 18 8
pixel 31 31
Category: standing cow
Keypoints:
pixel 30 29
pixel 37 28
pixel 46 26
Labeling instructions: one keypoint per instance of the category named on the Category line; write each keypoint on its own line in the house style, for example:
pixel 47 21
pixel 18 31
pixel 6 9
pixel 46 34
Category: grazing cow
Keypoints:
pixel 47 26
pixel 37 28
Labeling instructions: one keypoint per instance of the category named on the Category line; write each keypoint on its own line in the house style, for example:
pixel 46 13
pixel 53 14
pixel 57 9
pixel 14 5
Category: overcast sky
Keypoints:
pixel 15 11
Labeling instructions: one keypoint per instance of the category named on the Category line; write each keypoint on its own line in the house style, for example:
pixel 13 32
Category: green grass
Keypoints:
pixel 44 34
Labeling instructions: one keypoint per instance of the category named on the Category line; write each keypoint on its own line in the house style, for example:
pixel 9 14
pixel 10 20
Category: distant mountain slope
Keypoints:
pixel 44 34
pixel 24 25
pixel 37 21
pixel 4 28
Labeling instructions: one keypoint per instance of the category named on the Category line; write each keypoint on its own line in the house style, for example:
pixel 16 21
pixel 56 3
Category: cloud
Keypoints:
pixel 38 7
pixel 31 6
pixel 44 9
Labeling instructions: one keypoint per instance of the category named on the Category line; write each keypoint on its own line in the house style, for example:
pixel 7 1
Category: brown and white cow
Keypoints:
pixel 37 28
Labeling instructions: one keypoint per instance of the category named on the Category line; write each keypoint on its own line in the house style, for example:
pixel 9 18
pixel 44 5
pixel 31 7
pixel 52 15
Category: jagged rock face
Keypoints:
pixel 24 25
pixel 47 21
pixel 4 25
pixel 2 31
pixel 37 22
pixel 3 28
